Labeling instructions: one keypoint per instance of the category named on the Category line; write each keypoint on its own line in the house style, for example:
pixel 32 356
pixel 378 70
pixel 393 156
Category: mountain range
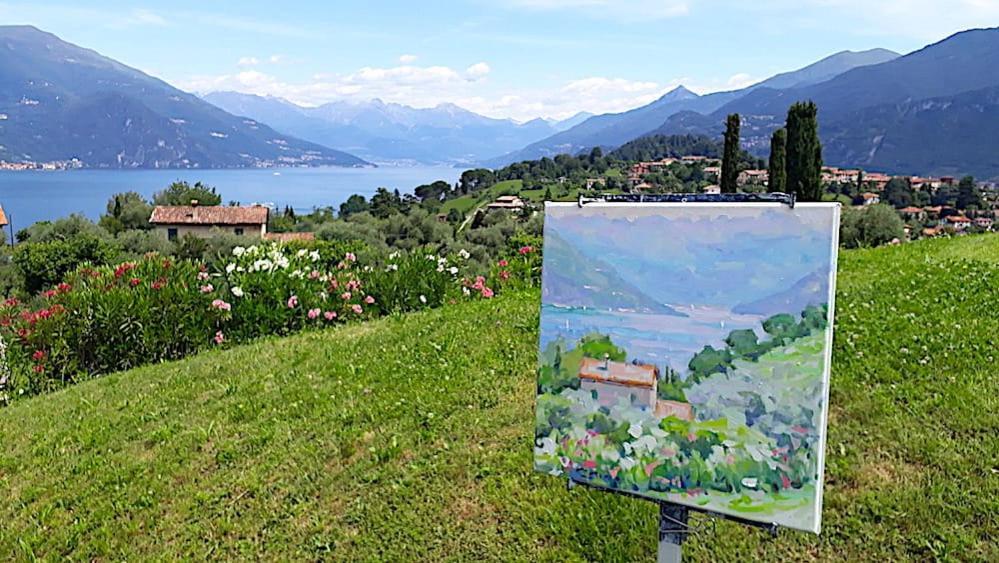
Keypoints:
pixel 614 129
pixel 60 102
pixel 931 112
pixel 390 132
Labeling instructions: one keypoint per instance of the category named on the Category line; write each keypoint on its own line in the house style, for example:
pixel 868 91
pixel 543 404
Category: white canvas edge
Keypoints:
pixel 827 367
pixel 827 370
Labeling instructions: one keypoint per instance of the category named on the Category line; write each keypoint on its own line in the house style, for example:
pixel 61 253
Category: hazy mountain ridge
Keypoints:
pixel 60 102
pixel 383 131
pixel 614 129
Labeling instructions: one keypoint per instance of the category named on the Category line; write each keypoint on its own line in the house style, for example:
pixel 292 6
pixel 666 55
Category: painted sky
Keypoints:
pixel 504 58
pixel 700 254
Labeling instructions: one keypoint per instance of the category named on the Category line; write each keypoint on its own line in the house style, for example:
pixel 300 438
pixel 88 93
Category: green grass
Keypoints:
pixel 410 438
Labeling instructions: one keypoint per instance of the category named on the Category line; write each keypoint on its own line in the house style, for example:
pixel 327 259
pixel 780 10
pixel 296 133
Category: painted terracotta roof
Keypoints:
pixel 636 375
pixel 208 215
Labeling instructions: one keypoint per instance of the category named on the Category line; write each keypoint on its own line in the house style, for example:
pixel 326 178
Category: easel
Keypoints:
pixel 673 518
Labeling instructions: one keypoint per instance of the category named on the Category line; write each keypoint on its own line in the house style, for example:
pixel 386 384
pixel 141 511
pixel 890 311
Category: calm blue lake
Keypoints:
pixel 34 196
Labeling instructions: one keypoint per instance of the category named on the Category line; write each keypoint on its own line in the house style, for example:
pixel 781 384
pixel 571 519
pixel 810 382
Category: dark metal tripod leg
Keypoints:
pixel 672 531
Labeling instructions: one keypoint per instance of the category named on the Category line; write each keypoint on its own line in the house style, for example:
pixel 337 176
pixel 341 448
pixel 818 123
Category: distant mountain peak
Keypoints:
pixel 679 93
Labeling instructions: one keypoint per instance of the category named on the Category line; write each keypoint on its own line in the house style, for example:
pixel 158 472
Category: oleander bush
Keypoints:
pixel 102 319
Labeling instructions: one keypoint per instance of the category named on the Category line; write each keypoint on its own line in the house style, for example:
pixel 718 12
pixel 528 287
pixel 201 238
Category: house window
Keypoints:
pixel 171 234
pixel 239 231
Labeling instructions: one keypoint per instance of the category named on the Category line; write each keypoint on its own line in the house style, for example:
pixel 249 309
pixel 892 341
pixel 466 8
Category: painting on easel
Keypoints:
pixel 685 353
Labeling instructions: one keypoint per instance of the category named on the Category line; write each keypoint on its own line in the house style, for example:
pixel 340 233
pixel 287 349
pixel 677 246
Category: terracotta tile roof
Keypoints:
pixel 288 237
pixel 208 215
pixel 635 375
pixel 3 218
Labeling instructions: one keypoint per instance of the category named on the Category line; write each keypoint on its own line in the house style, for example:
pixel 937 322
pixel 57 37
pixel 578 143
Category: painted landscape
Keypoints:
pixel 684 354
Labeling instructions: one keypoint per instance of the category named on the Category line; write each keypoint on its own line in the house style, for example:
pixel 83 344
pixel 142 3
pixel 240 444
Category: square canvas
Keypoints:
pixel 685 352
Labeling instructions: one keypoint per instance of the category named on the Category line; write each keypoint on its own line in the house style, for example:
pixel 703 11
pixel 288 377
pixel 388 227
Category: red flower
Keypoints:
pixel 167 264
pixel 526 249
pixel 503 263
pixel 38 356
pixel 134 282
pixel 12 302
pixel 504 275
pixel 39 368
pixel 590 464
pixel 64 288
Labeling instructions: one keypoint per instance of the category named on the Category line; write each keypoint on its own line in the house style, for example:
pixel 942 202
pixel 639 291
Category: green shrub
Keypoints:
pixel 44 264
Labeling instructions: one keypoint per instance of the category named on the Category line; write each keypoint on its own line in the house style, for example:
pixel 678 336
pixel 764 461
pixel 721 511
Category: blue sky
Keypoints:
pixel 504 58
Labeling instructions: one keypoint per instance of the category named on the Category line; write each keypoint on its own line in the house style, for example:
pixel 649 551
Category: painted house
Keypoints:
pixel 913 212
pixel 175 221
pixel 613 381
pixel 984 223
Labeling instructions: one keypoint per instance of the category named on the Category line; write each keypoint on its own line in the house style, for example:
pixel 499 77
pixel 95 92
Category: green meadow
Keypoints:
pixel 410 438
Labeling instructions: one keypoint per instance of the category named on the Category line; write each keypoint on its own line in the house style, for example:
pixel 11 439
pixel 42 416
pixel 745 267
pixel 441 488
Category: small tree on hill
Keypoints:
pixel 182 193
pixel 730 157
pixel 777 170
pixel 968 194
pixel 804 152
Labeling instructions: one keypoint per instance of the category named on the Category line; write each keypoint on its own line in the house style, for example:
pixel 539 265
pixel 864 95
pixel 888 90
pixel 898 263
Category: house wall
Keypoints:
pixel 206 231
pixel 608 394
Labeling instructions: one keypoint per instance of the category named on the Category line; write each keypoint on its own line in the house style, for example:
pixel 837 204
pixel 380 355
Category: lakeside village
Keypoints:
pixel 929 206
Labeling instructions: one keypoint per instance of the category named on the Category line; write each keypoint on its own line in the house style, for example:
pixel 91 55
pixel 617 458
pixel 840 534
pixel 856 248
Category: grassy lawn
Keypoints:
pixel 410 438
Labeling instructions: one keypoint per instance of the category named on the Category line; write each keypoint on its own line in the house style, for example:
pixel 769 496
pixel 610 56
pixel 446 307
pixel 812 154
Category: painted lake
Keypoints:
pixel 649 338
pixel 34 196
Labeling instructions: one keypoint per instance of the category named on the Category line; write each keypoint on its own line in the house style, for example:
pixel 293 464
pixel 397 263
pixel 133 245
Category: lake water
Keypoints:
pixel 652 339
pixel 34 196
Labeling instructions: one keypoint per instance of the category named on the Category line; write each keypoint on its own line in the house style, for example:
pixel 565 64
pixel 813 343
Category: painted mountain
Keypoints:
pixel 386 132
pixel 615 129
pixel 575 280
pixel 812 289
pixel 60 102
pixel 933 111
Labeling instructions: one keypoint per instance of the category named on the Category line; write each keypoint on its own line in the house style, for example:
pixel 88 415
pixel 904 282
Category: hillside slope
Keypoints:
pixel 410 438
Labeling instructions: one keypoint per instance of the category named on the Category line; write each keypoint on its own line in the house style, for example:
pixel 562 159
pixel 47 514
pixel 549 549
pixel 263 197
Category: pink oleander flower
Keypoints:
pixel 334 284
pixel 219 337
pixel 221 305
pixel 329 315
pixel 203 276
pixel 504 275
pixel 208 288
pixel 350 257
pixel 590 464
pixel 345 296
pixel 314 275
pixel 369 300
pixel 357 309
pixel 314 314
pixel 487 293
pixel 38 356
pixel 353 284
pixel 526 249
pixel 503 263
pixel 293 302
pixel 134 282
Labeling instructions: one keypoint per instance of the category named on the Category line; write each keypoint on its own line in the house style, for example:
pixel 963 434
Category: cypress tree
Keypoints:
pixel 730 158
pixel 804 152
pixel 777 171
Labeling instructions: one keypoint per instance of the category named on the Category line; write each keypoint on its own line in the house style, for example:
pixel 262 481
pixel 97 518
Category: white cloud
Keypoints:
pixel 622 10
pixel 248 61
pixel 478 71
pixel 740 80
pixel 276 59
pixel 407 59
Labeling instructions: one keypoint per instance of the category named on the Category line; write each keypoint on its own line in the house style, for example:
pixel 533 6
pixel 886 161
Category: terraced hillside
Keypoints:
pixel 410 438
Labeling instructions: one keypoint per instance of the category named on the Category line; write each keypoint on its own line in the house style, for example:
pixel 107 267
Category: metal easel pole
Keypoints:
pixel 672 531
